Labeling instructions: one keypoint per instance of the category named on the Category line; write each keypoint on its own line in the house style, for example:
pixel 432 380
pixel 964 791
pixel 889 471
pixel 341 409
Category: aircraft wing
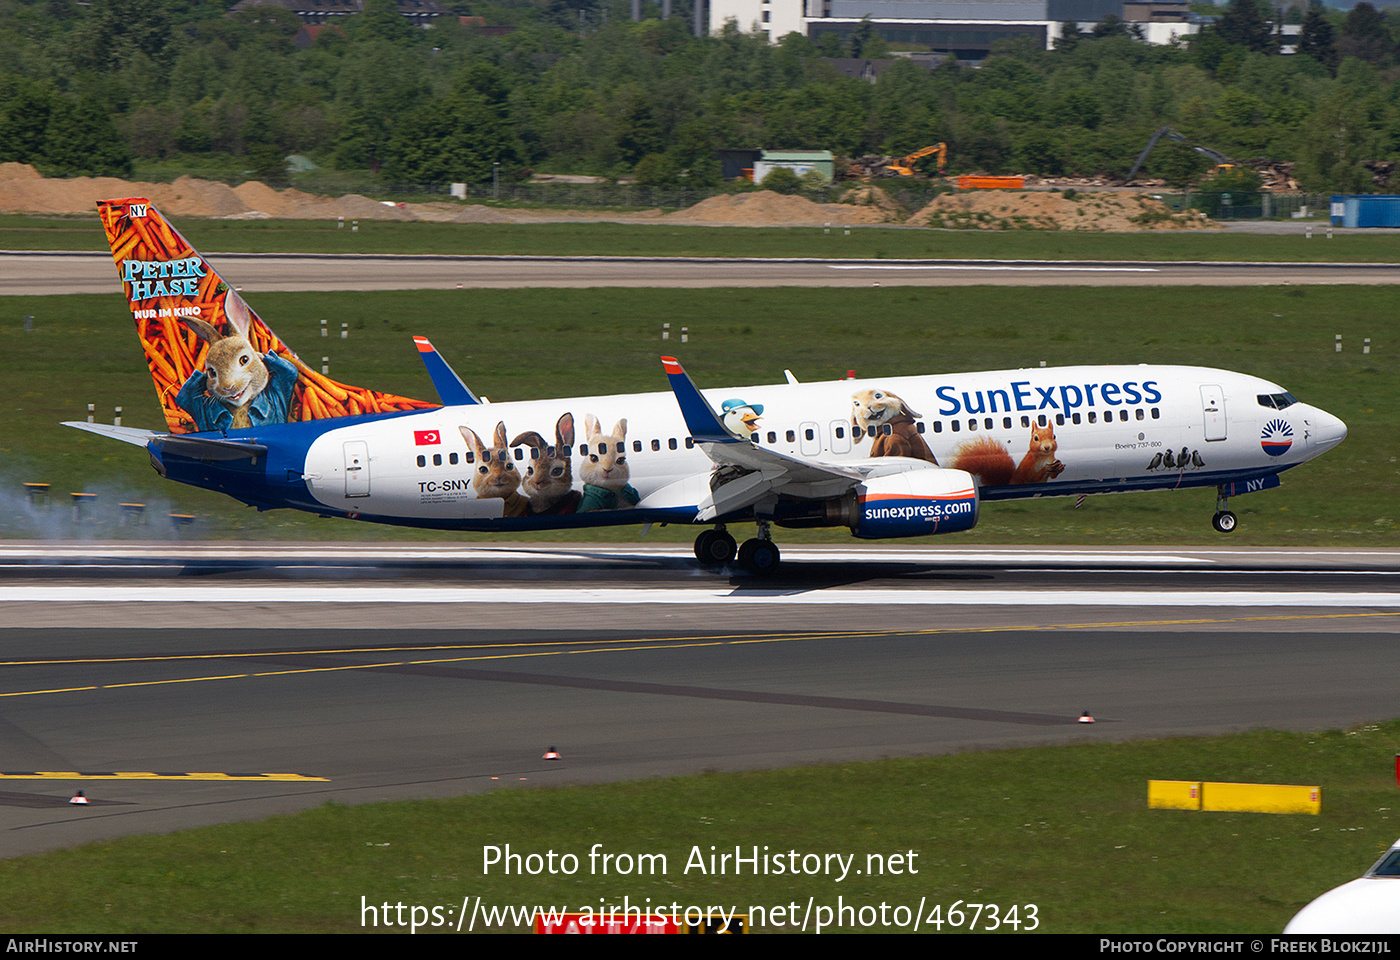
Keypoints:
pixel 760 473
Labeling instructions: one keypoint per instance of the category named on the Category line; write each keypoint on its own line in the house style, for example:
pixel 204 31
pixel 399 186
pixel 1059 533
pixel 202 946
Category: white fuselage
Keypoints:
pixel 1037 432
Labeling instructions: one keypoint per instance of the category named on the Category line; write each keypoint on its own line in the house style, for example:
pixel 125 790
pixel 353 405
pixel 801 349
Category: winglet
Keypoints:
pixel 700 418
pixel 451 390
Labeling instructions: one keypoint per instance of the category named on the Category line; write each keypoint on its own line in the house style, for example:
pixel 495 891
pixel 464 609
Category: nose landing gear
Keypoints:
pixel 1224 521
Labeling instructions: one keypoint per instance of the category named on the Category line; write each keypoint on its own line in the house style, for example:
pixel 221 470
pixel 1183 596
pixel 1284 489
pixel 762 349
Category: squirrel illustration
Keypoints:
pixel 991 463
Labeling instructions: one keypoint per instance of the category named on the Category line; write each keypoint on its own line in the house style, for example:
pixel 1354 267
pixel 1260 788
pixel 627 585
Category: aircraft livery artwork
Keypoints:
pixel 894 457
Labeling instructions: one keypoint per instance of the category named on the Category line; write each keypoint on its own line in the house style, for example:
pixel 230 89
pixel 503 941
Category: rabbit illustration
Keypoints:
pixel 549 479
pixel 496 476
pixel 237 387
pixel 604 468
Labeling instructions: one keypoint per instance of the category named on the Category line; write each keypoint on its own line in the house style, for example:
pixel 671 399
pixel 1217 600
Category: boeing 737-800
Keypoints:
pixel 886 457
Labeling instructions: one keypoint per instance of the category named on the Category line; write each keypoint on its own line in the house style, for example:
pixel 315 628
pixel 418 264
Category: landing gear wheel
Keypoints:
pixel 714 548
pixel 759 557
pixel 1225 521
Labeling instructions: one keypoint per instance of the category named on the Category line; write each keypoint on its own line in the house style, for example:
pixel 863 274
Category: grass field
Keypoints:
pixel 520 344
pixel 650 240
pixel 1064 828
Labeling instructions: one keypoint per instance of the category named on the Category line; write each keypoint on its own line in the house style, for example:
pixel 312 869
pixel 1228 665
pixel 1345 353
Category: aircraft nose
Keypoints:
pixel 1328 431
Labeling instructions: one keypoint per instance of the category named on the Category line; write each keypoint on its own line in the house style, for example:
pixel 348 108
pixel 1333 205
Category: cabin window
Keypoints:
pixel 583 449
pixel 1075 418
pixel 1059 419
pixel 840 433
pixel 452 459
pixel 636 446
pixel 1139 414
pixel 956 425
pixel 920 426
pixel 972 423
pixel 655 445
pixel 1093 417
pixel 857 432
pixel 810 434
pixel 437 459
pixel 422 460
pixel 470 457
pixel 689 442
pixel 886 429
pixel 671 443
pixel 1042 420
pixel 1025 421
pixel 989 423
pixel 791 437
pixel 1156 414
pixel 1123 415
pixel 1006 423
pixel 938 426
pixel 520 453
pixel 772 437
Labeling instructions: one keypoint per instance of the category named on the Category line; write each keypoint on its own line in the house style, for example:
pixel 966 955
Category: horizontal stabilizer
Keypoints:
pixel 125 434
pixel 451 390
pixel 209 448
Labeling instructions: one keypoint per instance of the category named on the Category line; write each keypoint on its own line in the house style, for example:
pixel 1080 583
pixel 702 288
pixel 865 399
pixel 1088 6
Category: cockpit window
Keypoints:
pixel 1277 401
pixel 1389 866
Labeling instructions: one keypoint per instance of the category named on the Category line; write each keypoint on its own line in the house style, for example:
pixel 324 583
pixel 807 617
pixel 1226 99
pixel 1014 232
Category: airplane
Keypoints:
pixel 246 417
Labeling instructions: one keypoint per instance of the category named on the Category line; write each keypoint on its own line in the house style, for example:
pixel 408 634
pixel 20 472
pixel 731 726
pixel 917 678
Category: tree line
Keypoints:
pixel 578 87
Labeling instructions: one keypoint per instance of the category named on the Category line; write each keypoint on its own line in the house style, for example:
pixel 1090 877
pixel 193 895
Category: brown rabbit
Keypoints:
pixel 496 476
pixel 235 378
pixel 549 479
pixel 604 469
pixel 878 411
pixel 1039 463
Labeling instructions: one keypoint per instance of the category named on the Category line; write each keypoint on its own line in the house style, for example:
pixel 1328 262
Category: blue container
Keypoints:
pixel 1365 210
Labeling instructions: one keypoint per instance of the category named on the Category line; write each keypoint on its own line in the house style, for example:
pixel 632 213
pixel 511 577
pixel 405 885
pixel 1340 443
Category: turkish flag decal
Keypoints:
pixel 423 438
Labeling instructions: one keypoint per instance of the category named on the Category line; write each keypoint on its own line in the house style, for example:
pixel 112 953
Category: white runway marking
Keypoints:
pixel 275 593
pixel 1067 268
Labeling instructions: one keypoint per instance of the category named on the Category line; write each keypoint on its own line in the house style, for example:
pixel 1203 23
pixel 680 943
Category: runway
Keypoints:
pixel 34 274
pixel 422 670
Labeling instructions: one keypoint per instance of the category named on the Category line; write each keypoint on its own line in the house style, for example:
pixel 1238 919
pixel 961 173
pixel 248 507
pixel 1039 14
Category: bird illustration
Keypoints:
pixel 1156 462
pixel 1168 460
pixel 1181 459
pixel 741 419
pixel 1196 459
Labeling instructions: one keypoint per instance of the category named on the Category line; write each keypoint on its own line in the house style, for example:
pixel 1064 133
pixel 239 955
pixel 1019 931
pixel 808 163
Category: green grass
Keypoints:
pixel 658 239
pixel 522 344
pixel 1065 828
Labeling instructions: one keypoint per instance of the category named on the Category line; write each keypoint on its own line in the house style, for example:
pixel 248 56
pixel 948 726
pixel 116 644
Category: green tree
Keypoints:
pixel 1245 23
pixel 782 180
pixel 1365 36
pixel 1318 39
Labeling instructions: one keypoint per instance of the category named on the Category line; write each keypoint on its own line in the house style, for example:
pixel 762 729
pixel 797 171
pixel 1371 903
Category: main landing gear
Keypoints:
pixel 759 556
pixel 1224 521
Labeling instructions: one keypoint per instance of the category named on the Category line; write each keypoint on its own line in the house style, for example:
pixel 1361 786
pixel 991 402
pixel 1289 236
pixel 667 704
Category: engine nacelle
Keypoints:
pixel 915 504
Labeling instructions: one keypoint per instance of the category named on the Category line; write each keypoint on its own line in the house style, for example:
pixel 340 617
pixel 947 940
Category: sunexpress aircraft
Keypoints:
pixel 247 418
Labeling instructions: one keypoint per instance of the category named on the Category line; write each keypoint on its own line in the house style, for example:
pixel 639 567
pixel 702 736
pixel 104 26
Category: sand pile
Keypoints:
pixel 281 204
pixel 1009 210
pixel 24 191
pixel 875 198
pixel 767 208
pixel 19 171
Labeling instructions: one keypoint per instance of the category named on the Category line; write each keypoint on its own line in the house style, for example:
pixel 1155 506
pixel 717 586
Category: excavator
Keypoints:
pixel 904 166
pixel 1222 162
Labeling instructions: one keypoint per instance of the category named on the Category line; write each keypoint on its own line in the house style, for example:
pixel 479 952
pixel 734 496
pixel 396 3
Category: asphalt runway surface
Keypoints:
pixel 360 674
pixel 63 272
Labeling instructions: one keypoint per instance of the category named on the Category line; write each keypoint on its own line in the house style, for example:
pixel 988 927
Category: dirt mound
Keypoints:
pixel 19 171
pixel 1003 210
pixel 875 198
pixel 767 208
pixel 281 204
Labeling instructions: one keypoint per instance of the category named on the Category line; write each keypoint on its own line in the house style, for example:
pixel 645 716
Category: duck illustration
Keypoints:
pixel 741 418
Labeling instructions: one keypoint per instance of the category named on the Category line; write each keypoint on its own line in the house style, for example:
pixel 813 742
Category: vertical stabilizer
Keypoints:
pixel 215 364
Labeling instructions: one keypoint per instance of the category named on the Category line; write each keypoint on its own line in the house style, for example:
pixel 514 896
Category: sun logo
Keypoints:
pixel 1276 438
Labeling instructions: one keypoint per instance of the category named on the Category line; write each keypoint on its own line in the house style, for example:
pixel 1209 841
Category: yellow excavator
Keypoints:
pixel 904 166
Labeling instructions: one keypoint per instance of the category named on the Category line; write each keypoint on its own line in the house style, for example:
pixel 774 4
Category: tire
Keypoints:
pixel 714 548
pixel 1225 522
pixel 759 557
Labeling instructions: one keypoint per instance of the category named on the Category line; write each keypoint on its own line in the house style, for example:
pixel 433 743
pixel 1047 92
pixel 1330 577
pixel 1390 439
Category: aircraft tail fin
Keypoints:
pixel 216 364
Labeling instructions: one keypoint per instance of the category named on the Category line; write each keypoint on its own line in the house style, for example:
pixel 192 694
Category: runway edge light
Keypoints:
pixel 551 754
pixel 79 798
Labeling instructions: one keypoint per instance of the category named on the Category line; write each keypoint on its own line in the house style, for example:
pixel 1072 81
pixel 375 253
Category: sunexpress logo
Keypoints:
pixel 1022 396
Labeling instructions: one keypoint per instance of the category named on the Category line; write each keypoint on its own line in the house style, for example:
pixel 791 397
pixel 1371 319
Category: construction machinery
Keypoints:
pixel 904 166
pixel 1222 162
